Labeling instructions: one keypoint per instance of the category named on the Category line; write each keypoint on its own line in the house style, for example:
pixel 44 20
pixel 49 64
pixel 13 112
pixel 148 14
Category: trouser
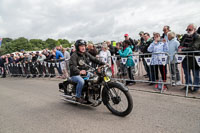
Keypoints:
pixel 154 72
pixel 40 69
pixel 15 70
pixel 10 69
pixel 27 72
pixel 175 72
pixel 130 75
pixel 45 69
pixel 51 70
pixel 19 69
pixel 187 73
pixel 59 69
pixel 80 83
pixel 33 69
pixel 123 69
pixel 147 69
pixel 145 66
pixel 68 70
pixel 3 71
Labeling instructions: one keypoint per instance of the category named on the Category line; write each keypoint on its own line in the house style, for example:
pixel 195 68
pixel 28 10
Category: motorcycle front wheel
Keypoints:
pixel 117 99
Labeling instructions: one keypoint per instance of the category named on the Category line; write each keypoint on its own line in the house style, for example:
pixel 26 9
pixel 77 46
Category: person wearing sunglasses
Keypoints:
pixel 189 43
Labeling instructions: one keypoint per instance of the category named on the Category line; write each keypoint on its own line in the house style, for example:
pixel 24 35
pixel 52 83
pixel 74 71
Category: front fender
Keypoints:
pixel 123 86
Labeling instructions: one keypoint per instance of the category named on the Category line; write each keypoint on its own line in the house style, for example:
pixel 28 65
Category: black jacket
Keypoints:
pixel 198 31
pixel 34 59
pixel 112 49
pixel 191 43
pixel 145 46
pixel 74 65
pixel 132 43
pixel 1 62
pixel 93 52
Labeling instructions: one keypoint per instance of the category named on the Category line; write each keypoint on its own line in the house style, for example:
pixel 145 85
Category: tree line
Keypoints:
pixel 10 45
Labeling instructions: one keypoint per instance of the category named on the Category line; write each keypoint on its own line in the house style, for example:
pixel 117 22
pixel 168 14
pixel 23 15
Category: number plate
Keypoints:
pixel 106 79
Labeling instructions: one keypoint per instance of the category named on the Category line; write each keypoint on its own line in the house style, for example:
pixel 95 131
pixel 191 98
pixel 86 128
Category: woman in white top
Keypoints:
pixel 105 54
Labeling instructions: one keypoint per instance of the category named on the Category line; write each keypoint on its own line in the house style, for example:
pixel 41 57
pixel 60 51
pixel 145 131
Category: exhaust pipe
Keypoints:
pixel 67 96
pixel 71 101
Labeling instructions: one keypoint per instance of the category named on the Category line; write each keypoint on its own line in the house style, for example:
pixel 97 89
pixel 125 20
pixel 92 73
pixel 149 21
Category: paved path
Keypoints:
pixel 34 106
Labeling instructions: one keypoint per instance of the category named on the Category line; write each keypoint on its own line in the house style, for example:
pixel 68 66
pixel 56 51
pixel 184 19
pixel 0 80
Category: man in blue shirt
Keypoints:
pixel 59 55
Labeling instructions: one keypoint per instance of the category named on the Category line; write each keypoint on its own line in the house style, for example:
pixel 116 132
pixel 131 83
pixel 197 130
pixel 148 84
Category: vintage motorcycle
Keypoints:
pixel 99 87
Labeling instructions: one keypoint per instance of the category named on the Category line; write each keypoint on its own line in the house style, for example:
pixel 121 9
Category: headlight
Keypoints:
pixel 108 72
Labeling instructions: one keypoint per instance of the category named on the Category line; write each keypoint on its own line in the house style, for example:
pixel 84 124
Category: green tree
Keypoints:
pixel 65 43
pixel 5 40
pixel 51 43
pixel 21 43
pixel 38 44
pixel 14 45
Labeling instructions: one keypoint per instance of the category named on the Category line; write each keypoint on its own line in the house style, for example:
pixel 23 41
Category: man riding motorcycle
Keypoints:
pixel 76 69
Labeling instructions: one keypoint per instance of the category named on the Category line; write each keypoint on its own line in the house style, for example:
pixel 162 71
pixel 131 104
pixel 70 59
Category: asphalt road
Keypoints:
pixel 34 106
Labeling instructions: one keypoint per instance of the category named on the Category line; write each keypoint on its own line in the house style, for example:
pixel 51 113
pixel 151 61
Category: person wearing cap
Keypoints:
pixel 37 54
pixel 132 45
pixel 141 33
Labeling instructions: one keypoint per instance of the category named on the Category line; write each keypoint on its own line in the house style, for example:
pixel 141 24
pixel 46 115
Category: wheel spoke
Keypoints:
pixel 123 103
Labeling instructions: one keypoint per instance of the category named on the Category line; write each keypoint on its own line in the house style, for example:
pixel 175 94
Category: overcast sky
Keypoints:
pixel 95 20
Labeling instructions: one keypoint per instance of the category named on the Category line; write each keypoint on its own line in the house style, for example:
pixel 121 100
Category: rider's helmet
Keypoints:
pixel 79 43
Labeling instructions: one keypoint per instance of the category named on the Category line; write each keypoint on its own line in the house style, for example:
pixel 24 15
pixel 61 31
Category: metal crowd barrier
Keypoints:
pixel 41 69
pixel 140 62
pixel 190 60
pixel 144 60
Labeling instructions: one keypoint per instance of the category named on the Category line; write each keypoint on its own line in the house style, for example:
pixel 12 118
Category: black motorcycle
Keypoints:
pixel 99 87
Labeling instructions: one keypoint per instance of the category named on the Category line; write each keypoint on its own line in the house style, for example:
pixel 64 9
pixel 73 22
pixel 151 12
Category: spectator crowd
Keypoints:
pixel 44 63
